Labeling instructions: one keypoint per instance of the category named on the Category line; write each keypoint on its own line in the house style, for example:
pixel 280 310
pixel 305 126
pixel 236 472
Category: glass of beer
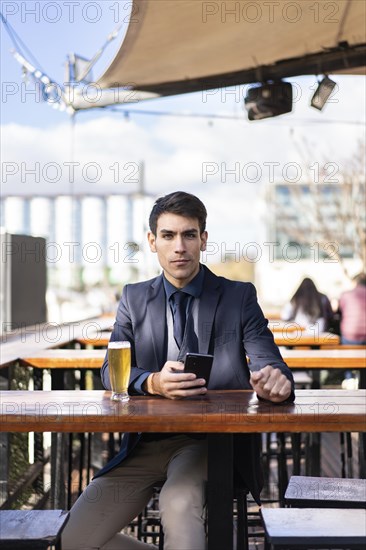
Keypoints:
pixel 119 362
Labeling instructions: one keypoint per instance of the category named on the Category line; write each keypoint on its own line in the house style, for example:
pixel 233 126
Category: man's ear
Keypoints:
pixel 204 237
pixel 151 240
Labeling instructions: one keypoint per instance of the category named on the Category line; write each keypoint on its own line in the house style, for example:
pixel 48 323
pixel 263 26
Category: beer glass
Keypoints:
pixel 119 362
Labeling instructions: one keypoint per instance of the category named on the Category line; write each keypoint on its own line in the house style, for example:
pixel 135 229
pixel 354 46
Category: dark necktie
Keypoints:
pixel 180 300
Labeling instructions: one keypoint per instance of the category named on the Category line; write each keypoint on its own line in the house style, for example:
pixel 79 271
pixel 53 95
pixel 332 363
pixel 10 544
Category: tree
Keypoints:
pixel 325 215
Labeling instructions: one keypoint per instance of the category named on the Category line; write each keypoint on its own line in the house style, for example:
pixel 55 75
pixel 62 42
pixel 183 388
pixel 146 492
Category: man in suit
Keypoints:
pixel 220 317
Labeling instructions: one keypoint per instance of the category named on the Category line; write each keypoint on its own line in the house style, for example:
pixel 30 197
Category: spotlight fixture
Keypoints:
pixel 268 100
pixel 322 93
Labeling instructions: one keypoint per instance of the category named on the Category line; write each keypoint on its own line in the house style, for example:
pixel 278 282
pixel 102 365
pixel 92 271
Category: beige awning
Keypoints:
pixel 178 46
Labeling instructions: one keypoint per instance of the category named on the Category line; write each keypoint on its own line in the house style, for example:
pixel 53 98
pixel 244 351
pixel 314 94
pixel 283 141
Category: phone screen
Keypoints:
pixel 200 364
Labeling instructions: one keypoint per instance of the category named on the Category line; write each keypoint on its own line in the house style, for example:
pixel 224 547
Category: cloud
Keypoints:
pixel 226 162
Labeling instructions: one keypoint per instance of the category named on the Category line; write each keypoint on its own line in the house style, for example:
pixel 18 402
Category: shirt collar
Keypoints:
pixel 193 288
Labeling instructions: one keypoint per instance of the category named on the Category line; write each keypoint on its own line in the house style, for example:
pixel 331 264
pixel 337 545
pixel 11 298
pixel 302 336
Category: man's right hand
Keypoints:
pixel 172 382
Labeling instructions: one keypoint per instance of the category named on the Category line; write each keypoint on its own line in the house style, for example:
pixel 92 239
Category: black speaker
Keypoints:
pixel 322 93
pixel 23 280
pixel 268 100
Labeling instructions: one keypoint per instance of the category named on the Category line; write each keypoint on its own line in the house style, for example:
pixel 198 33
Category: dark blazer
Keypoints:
pixel 231 326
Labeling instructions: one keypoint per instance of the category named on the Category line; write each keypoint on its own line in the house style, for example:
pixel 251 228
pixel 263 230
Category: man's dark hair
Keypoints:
pixel 182 204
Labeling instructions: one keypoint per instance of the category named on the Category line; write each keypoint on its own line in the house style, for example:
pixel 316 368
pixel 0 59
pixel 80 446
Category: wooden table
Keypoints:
pixel 290 336
pixel 315 360
pixel 64 359
pixel 327 359
pixel 229 411
pixel 219 413
pixel 277 325
pixel 93 359
pixel 59 360
pixel 56 359
pixel 313 340
pixel 100 339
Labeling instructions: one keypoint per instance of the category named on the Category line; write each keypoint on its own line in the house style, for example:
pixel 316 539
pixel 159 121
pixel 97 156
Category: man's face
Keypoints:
pixel 178 243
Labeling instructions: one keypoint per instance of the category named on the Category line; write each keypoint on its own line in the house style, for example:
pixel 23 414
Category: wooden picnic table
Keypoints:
pixel 93 358
pixel 233 411
pixel 220 414
pixel 288 338
pixel 64 359
pixel 60 360
pixel 287 334
pixel 313 340
pixel 56 359
pixel 325 359
pixel 317 359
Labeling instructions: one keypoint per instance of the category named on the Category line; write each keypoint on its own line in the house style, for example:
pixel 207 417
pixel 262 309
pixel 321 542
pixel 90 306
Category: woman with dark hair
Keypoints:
pixel 308 307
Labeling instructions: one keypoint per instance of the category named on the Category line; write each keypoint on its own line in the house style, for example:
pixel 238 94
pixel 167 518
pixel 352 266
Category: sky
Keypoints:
pixel 227 163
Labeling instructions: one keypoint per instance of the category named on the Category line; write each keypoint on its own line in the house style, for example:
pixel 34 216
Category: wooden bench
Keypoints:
pixel 295 528
pixel 326 492
pixel 31 529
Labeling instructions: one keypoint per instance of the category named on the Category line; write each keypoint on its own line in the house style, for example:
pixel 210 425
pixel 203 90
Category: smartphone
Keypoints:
pixel 200 364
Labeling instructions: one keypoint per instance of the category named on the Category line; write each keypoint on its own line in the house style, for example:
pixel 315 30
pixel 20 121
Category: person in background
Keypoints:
pixel 309 307
pixel 352 307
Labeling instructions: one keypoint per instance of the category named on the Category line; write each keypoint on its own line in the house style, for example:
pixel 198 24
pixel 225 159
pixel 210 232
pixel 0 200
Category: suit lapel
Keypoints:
pixel 156 313
pixel 208 304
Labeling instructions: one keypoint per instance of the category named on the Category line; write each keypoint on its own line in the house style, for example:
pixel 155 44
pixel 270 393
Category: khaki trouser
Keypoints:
pixel 112 501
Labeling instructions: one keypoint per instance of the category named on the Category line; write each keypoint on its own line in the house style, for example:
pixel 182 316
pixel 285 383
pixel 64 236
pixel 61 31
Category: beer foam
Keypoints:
pixel 119 345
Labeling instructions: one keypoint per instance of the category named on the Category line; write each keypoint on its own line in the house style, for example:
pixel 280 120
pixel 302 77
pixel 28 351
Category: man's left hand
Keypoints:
pixel 270 383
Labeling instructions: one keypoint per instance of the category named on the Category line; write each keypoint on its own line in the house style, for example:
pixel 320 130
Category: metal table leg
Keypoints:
pixel 220 491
